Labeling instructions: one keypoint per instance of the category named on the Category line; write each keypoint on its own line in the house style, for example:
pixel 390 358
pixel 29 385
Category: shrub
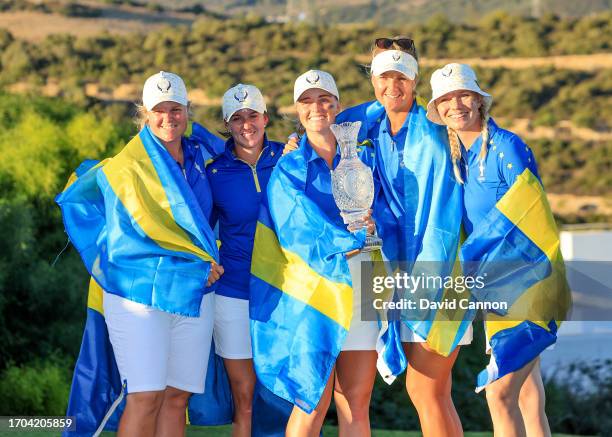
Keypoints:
pixel 39 388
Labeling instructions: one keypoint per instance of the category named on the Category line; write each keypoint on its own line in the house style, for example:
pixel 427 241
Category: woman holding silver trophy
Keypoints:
pixel 344 359
pixel 317 104
pixel 417 209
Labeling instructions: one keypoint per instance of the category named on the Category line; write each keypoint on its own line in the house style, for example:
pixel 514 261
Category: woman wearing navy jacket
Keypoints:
pixel 487 161
pixel 238 178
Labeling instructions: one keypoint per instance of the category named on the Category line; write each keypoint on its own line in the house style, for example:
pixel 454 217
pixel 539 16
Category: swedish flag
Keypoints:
pixel 139 228
pixel 142 235
pixel 301 291
pixel 417 208
pixel 516 249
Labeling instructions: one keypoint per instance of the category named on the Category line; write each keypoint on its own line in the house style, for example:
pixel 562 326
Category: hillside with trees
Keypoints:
pixel 66 98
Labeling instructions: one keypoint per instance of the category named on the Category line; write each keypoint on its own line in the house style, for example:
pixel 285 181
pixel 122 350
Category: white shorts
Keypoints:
pixel 362 335
pixel 232 331
pixel 409 336
pixel 155 349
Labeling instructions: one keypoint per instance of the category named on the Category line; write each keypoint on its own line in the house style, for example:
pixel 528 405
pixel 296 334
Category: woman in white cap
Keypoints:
pixel 316 99
pixel 418 214
pixel 487 161
pixel 157 302
pixel 238 178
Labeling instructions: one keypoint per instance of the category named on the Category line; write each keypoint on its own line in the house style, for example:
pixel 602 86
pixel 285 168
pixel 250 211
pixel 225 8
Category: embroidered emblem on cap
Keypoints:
pixel 164 85
pixel 312 77
pixel 447 71
pixel 396 56
pixel 241 95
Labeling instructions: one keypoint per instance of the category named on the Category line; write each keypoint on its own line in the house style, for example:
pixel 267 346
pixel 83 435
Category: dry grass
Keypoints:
pixel 567 62
pixel 35 26
pixel 565 205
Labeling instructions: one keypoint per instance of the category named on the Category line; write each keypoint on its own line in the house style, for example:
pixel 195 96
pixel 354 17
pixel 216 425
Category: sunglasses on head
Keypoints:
pixel 387 43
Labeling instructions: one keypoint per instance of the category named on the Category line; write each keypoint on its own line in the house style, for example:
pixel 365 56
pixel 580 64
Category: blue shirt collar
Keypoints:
pixel 475 149
pixel 309 152
pixel 493 128
pixel 386 126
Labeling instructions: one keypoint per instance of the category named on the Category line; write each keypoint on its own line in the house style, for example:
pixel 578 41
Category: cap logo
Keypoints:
pixel 312 77
pixel 396 56
pixel 241 95
pixel 164 85
pixel 447 72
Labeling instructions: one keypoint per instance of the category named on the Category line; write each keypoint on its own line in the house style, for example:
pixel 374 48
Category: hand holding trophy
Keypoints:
pixel 352 183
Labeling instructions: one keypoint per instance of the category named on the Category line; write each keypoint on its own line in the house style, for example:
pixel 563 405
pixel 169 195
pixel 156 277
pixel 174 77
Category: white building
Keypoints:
pixel 587 250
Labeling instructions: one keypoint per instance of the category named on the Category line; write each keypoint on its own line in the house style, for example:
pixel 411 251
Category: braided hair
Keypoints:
pixel 455 145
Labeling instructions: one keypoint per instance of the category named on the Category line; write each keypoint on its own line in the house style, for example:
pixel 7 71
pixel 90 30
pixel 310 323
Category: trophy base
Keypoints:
pixel 372 243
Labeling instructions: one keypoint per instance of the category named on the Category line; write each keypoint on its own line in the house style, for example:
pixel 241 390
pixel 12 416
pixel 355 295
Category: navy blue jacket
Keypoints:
pixel 237 189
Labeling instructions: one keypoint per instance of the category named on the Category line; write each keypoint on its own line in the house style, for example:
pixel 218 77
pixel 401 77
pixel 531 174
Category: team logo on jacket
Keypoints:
pixel 164 85
pixel 312 77
pixel 241 95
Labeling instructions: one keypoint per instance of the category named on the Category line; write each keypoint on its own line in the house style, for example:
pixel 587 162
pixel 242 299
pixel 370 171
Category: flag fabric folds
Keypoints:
pixel 97 395
pixel 417 208
pixel 270 413
pixel 143 236
pixel 96 384
pixel 139 229
pixel 301 291
pixel 516 248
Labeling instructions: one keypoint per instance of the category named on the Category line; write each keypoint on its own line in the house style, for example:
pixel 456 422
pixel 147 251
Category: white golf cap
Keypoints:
pixel 315 79
pixel 164 87
pixel 395 60
pixel 453 77
pixel 242 97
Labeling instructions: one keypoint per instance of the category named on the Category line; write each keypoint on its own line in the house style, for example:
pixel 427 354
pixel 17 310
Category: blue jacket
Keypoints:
pixel 417 207
pixel 237 189
pixel 507 157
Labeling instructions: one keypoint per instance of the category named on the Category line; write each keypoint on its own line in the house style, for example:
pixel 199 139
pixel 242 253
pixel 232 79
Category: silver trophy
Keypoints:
pixel 352 183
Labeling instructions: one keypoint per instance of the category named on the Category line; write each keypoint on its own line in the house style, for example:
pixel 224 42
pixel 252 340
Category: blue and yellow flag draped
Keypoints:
pixel 301 291
pixel 141 235
pixel 417 209
pixel 139 228
pixel 516 248
pixel 97 396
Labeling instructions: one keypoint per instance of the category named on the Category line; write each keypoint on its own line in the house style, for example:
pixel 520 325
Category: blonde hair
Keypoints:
pixel 455 146
pixel 140 118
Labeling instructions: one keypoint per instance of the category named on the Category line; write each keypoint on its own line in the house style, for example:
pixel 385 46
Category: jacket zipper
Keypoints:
pixel 254 169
